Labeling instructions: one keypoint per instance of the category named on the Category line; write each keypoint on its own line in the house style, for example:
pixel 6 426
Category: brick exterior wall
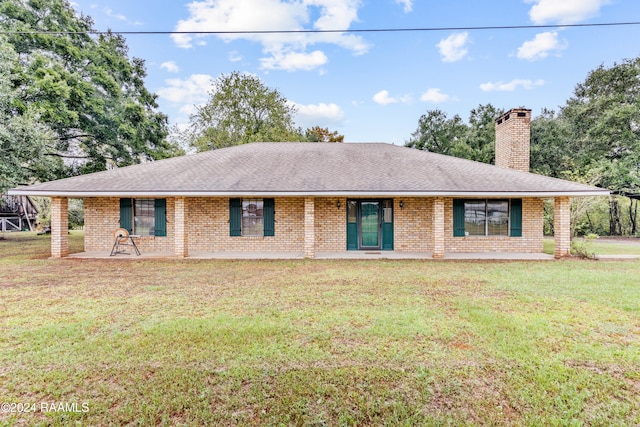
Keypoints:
pixel 59 227
pixel 531 240
pixel 412 227
pixel 207 227
pixel 513 137
pixel 102 218
pixel 331 224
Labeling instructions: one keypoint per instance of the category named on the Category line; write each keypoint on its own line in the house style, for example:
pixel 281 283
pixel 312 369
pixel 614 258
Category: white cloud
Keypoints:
pixel 564 11
pixel 454 48
pixel 510 86
pixel 170 66
pixel 540 46
pixel 286 51
pixel 188 93
pixel 234 56
pixel 109 12
pixel 318 114
pixel 383 98
pixel 407 5
pixel 293 61
pixel 434 95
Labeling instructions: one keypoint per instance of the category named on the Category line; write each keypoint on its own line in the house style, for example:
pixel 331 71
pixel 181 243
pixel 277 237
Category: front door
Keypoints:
pixel 370 224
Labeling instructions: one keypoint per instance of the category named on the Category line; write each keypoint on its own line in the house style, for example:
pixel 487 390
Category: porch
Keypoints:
pixel 310 227
pixel 352 255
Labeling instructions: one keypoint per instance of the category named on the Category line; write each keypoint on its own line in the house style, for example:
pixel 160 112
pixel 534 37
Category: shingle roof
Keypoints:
pixel 348 169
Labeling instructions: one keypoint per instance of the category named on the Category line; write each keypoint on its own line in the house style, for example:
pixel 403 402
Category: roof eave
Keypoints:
pixel 261 193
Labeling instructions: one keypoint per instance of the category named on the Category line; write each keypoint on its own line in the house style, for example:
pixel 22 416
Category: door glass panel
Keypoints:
pixel 387 211
pixel 352 211
pixel 369 223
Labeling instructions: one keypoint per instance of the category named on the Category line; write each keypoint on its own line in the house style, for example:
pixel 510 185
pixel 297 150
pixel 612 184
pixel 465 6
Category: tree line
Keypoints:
pixel 594 138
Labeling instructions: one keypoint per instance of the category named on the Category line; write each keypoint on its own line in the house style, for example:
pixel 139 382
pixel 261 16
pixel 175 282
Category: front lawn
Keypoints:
pixel 347 342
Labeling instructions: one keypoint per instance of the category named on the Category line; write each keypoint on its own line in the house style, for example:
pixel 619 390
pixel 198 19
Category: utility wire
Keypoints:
pixel 370 30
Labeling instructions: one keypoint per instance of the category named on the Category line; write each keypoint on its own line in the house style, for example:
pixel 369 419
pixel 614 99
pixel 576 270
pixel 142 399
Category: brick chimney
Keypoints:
pixel 513 137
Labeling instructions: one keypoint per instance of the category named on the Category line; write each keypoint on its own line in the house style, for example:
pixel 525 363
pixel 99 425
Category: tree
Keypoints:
pixel 475 141
pixel 604 118
pixel 241 109
pixel 23 138
pixel 479 139
pixel 83 87
pixel 604 113
pixel 551 145
pixel 437 133
pixel 318 134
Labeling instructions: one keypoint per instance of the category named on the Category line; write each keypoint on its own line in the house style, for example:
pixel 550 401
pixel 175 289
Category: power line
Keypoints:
pixel 369 30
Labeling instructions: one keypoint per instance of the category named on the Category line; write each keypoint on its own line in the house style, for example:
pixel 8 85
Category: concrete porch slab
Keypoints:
pixel 359 255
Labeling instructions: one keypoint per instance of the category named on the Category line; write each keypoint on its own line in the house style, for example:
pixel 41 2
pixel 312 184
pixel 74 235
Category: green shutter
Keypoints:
pixel 516 218
pixel 352 225
pixel 387 236
pixel 160 217
pixel 387 226
pixel 268 216
pixel 458 218
pixel 126 214
pixel 235 217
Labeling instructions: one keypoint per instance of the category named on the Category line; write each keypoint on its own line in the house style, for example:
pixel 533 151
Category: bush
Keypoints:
pixel 582 248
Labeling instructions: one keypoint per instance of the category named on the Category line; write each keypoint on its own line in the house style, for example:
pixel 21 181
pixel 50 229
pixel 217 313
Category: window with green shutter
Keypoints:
pixel 251 217
pixel 487 217
pixel 144 217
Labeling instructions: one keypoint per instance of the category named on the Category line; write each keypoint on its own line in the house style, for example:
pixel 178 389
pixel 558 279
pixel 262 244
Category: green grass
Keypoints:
pixel 604 246
pixel 318 342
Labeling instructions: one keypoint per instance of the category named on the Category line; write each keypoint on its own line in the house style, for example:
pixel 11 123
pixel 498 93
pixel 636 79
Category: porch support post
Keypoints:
pixel 181 237
pixel 59 227
pixel 437 218
pixel 562 226
pixel 309 228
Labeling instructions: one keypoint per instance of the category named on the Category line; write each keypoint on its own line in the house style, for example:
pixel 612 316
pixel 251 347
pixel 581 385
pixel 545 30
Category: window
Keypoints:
pixel 144 217
pixel 251 217
pixel 487 217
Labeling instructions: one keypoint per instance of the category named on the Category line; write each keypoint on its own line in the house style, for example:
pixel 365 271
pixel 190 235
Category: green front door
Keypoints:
pixel 370 224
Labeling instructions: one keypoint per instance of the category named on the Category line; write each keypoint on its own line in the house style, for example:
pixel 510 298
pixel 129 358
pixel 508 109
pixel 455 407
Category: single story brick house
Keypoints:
pixel 309 198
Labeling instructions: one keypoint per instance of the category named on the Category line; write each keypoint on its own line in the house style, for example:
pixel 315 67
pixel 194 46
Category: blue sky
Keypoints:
pixel 373 87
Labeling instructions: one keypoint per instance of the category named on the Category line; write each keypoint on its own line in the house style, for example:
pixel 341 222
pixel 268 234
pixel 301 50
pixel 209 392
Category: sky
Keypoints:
pixel 374 86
